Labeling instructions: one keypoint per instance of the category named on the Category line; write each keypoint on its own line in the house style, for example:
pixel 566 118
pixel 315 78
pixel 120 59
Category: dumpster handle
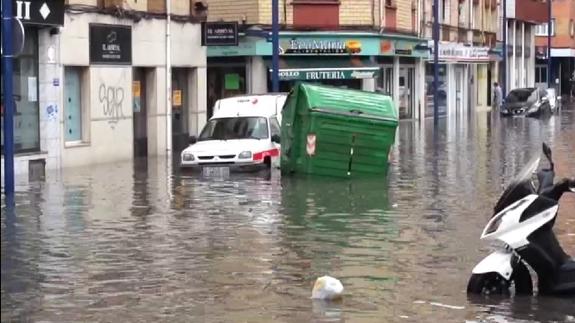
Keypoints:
pixel 356 111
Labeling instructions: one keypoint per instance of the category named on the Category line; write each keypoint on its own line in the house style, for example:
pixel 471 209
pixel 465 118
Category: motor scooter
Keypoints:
pixel 522 229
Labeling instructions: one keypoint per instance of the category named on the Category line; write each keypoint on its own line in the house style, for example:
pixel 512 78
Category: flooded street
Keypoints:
pixel 143 242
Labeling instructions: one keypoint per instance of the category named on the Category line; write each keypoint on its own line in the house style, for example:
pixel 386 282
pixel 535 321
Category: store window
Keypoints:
pixel 429 90
pixel 25 95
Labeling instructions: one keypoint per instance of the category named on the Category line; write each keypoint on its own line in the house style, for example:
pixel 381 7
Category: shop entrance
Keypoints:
pixel 459 88
pixel 180 109
pixel 140 108
pixel 406 90
pixel 386 80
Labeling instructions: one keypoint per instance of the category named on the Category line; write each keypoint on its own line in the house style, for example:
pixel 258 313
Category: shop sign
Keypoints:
pixel 110 44
pixel 326 74
pixel 220 34
pixel 34 12
pixel 400 47
pixel 455 51
pixel 320 46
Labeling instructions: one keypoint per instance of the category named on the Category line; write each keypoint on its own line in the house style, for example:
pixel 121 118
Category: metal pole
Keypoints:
pixel 7 62
pixel 435 61
pixel 504 69
pixel 549 27
pixel 168 81
pixel 275 46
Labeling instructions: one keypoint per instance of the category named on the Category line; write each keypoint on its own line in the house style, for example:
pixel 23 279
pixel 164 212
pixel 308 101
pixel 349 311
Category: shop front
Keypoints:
pixel 465 78
pixel 356 60
pixel 400 60
pixel 31 75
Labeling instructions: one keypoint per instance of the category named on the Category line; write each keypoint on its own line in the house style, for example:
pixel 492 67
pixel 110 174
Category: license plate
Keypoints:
pixel 216 171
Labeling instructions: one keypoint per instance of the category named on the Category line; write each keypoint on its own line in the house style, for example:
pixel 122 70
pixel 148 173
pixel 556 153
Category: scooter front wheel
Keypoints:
pixel 494 284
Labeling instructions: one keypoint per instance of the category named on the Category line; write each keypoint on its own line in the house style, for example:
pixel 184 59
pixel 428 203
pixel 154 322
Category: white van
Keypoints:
pixel 243 134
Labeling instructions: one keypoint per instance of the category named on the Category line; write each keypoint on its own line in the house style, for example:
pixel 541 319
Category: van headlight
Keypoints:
pixel 188 157
pixel 245 155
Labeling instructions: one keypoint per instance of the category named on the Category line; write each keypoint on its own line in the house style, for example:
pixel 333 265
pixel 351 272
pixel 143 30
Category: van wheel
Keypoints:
pixel 268 162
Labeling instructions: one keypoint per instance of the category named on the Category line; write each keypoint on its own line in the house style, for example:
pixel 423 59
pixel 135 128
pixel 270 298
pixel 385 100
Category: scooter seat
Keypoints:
pixel 568 266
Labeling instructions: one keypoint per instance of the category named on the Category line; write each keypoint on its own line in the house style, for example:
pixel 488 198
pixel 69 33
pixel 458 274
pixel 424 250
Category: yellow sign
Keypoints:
pixel 136 88
pixel 177 98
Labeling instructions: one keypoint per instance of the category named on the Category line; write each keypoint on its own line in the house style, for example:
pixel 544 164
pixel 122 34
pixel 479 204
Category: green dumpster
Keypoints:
pixel 336 132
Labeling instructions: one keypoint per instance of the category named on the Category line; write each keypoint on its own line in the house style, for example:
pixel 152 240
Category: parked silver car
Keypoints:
pixel 530 102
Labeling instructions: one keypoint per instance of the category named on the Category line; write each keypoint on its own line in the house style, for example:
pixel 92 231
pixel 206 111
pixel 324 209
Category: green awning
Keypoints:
pixel 325 68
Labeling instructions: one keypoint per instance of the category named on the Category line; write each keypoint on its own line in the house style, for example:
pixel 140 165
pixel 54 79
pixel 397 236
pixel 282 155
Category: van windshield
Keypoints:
pixel 235 128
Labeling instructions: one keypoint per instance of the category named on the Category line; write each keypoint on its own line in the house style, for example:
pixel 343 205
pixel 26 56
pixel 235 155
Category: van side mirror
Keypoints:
pixel 193 140
pixel 276 138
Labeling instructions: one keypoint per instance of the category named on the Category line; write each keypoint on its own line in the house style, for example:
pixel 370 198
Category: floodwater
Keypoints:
pixel 141 242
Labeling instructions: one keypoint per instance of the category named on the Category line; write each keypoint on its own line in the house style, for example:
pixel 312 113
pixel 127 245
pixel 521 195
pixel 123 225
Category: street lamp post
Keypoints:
pixel 504 69
pixel 549 27
pixel 7 64
pixel 435 61
pixel 275 46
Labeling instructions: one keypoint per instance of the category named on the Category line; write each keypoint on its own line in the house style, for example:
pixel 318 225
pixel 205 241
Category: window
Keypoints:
pixel 572 28
pixel 75 130
pixel 25 96
pixel 235 128
pixel 541 30
pixel 274 126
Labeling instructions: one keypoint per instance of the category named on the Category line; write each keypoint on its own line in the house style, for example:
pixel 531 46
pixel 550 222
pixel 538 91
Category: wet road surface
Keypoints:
pixel 130 243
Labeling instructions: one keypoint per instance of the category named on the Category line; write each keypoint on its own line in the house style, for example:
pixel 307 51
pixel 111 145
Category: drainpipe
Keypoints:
pixel 168 80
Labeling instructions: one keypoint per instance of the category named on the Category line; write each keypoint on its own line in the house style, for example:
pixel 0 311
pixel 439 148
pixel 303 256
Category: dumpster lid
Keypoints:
pixel 338 100
pixel 314 68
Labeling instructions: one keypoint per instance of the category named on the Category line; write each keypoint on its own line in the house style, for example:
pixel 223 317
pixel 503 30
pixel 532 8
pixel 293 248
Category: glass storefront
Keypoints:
pixel 429 91
pixel 26 112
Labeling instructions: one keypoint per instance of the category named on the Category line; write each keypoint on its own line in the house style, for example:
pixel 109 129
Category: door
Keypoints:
pixel 459 84
pixel 140 120
pixel 72 105
pixel 541 76
pixel 386 80
pixel 180 133
pixel 406 90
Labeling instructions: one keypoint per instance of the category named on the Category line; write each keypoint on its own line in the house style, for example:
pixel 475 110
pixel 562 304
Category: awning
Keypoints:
pixel 325 68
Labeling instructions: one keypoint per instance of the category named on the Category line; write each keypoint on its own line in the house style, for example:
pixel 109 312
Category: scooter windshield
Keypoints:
pixel 519 187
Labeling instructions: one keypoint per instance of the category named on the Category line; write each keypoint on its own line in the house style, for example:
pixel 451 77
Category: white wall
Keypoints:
pixel 110 119
pixel 111 134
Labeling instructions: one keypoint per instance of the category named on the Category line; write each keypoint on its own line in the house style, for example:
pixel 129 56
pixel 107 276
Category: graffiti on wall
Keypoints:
pixel 111 99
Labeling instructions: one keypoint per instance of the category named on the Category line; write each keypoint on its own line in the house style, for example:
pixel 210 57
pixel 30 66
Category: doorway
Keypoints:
pixel 459 88
pixel 180 101
pixel 140 119
pixel 385 82
pixel 406 90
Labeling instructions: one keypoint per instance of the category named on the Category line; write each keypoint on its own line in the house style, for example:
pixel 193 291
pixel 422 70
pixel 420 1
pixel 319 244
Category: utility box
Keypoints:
pixel 336 132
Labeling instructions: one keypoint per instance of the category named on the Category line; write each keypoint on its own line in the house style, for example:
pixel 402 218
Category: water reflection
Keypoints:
pixel 143 242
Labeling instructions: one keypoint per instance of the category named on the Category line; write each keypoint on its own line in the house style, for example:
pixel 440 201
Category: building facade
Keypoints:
pixel 522 17
pixel 562 48
pixel 92 88
pixel 361 44
pixel 467 54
